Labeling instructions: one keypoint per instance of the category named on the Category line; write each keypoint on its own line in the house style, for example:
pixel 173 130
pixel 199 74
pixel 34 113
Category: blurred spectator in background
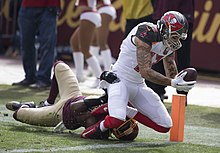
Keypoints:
pixel 135 12
pixel 82 37
pixel 101 48
pixel 183 54
pixel 14 49
pixel 38 17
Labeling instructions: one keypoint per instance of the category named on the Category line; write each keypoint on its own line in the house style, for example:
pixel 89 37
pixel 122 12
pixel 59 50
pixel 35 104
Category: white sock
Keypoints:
pixel 78 58
pixel 94 50
pixel 102 127
pixel 24 106
pixel 107 59
pixel 46 103
pixel 94 65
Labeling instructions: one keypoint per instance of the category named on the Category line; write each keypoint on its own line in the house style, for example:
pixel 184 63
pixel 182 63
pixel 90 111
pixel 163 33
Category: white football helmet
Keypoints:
pixel 173 26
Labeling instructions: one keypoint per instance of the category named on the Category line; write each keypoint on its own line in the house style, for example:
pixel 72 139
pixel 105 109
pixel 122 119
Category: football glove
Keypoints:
pixel 94 132
pixel 181 85
pixel 109 77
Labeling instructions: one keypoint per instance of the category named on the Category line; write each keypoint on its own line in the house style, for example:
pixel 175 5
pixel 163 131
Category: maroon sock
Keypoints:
pixel 149 123
pixel 53 91
pixel 112 122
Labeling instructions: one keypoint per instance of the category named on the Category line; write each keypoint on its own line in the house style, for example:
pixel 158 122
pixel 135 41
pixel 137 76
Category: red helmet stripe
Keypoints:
pixel 171 20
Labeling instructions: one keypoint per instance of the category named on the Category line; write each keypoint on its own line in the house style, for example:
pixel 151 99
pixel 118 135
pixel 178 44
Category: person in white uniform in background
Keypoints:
pixel 100 47
pixel 81 39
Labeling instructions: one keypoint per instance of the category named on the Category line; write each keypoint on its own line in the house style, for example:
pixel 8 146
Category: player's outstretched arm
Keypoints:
pixel 144 59
pixel 170 66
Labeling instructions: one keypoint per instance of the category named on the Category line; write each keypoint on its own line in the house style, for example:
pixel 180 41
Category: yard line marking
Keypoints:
pixel 92 147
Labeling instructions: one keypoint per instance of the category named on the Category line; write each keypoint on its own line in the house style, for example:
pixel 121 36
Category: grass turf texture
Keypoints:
pixel 202 132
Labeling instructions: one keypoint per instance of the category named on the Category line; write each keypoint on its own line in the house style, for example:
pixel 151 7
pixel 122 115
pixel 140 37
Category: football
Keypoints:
pixel 191 74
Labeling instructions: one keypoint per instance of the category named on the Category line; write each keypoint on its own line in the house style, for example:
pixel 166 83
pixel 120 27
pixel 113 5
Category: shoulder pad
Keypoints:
pixel 147 34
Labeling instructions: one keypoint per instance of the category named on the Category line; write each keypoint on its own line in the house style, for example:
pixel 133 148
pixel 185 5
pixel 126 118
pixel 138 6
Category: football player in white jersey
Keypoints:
pixel 145 45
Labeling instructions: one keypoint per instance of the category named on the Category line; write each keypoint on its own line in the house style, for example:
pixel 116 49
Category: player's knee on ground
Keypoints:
pixel 60 66
pixel 57 62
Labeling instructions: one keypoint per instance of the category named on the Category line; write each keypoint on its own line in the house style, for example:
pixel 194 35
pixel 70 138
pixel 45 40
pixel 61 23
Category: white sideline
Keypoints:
pixel 91 147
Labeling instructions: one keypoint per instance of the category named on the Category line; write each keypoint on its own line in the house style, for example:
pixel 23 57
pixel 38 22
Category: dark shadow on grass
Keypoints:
pixel 113 140
pixel 29 129
pixel 19 93
pixel 213 117
pixel 44 131
pixel 125 146
pixel 76 136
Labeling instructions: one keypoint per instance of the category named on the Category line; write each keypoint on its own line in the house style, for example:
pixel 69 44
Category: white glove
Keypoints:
pixel 103 84
pixel 180 84
pixel 59 128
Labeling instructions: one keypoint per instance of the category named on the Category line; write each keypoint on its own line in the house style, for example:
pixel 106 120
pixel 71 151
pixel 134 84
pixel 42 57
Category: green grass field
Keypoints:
pixel 202 132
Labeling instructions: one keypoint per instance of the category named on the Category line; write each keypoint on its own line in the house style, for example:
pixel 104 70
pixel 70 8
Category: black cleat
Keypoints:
pixel 15 105
pixel 39 85
pixel 24 82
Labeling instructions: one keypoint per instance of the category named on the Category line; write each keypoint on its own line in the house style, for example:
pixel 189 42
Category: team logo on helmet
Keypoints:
pixel 173 26
pixel 127 131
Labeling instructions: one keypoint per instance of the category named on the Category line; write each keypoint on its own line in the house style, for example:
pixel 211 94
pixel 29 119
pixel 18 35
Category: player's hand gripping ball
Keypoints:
pixel 185 80
pixel 191 74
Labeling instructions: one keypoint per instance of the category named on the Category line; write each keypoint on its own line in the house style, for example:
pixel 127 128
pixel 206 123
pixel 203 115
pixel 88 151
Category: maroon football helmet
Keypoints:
pixel 173 26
